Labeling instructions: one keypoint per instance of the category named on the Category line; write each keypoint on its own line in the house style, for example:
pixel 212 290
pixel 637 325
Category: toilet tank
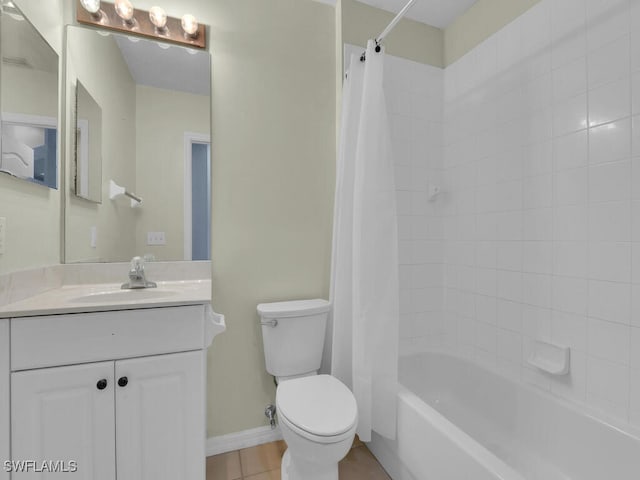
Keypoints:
pixel 293 336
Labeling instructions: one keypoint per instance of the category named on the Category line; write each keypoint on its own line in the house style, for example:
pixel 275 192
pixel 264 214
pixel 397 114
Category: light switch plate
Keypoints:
pixel 156 238
pixel 3 233
pixel 94 237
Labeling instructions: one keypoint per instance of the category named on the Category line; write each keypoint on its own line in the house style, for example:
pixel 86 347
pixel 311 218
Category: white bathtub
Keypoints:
pixel 458 421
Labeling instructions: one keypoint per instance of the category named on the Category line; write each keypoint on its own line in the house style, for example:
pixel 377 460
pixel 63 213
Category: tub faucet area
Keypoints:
pixel 137 276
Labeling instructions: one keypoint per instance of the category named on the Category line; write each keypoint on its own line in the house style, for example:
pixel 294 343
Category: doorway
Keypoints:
pixel 197 201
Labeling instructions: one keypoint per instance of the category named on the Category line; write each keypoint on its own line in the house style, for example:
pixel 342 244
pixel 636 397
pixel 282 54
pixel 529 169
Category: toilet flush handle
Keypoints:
pixel 269 323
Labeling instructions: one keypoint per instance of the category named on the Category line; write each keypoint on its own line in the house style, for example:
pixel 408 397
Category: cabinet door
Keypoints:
pixel 160 421
pixel 4 397
pixel 65 414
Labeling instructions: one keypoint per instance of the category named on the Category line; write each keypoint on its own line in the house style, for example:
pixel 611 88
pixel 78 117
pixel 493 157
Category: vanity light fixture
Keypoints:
pixel 154 24
pixel 159 18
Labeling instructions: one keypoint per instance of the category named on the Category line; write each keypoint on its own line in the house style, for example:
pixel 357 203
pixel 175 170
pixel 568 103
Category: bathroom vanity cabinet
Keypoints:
pixel 120 393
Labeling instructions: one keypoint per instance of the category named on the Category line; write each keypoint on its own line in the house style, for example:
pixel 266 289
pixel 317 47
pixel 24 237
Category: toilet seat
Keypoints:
pixel 319 408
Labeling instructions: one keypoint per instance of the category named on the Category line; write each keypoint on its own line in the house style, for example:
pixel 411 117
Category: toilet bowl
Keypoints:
pixel 318 417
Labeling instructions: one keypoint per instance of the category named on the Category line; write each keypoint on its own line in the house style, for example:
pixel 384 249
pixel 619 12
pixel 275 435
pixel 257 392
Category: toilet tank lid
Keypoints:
pixel 295 308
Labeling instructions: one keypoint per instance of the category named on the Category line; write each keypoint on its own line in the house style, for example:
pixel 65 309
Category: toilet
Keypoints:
pixel 318 413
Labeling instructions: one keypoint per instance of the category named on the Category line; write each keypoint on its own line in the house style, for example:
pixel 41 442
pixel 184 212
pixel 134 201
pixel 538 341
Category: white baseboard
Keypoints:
pixel 244 439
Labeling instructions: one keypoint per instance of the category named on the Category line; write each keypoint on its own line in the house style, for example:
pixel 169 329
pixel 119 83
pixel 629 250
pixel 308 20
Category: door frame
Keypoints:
pixel 189 139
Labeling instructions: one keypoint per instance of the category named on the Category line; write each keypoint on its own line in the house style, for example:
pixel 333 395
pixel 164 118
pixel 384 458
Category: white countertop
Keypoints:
pixel 95 298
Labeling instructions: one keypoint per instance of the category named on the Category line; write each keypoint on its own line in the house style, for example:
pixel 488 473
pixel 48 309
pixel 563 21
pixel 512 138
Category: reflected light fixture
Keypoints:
pixel 189 24
pixel 10 9
pixel 124 9
pixel 158 17
pixel 91 6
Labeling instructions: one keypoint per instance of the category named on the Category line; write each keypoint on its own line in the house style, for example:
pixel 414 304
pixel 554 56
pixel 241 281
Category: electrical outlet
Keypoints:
pixel 156 238
pixel 94 237
pixel 3 233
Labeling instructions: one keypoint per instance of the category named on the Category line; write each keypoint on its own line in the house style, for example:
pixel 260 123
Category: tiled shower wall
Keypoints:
pixel 541 210
pixel 414 95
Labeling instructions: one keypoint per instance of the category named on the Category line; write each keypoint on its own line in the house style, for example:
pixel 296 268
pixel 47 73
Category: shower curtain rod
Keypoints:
pixel 392 24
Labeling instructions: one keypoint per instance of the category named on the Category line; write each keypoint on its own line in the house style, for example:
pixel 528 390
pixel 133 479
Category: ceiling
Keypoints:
pixel 439 13
pixel 172 68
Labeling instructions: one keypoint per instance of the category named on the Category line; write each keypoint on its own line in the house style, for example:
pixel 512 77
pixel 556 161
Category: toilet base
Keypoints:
pixel 302 471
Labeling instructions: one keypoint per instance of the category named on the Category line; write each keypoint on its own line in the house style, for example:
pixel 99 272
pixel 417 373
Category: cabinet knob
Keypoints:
pixel 102 384
pixel 123 381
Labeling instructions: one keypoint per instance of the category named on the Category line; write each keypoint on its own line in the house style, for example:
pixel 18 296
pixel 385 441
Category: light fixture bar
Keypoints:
pixel 141 26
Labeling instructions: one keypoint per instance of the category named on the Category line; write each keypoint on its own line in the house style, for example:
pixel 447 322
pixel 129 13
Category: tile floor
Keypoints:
pixel 263 463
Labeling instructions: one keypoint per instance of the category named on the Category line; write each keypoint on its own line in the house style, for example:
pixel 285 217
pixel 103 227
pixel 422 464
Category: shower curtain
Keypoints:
pixel 364 277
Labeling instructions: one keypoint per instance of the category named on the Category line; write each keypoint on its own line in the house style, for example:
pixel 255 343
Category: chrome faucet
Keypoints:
pixel 137 277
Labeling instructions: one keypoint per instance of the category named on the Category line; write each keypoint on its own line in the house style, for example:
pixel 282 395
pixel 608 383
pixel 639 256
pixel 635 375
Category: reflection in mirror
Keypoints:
pixel 29 84
pixel 88 146
pixel 29 149
pixel 155 106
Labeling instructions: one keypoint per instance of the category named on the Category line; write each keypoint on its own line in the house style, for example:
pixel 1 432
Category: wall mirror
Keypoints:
pixel 30 199
pixel 88 146
pixel 143 121
pixel 29 88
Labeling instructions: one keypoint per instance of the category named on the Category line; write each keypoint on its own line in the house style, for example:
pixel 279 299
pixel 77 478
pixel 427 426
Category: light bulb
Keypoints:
pixel 91 6
pixel 124 9
pixel 158 17
pixel 189 24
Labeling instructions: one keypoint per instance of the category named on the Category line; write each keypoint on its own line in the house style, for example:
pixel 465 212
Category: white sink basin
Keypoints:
pixel 124 296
